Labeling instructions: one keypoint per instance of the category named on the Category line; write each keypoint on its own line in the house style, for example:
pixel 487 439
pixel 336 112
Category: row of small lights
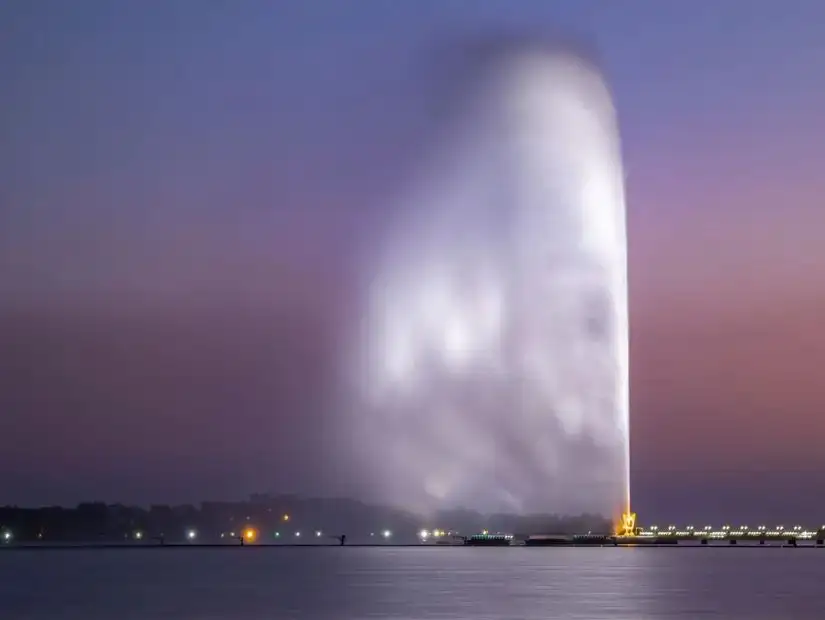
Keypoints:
pixel 726 530
pixel 249 534
pixel 427 534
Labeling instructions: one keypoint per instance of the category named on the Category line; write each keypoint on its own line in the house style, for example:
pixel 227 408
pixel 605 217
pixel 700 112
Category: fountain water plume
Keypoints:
pixel 492 356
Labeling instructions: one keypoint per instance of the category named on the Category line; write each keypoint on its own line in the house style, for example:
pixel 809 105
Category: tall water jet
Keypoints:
pixel 492 357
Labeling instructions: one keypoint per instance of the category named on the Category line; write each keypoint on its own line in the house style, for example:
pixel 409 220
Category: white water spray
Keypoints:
pixel 493 358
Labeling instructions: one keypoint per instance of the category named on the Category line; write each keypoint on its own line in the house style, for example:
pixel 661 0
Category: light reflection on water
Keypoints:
pixel 347 583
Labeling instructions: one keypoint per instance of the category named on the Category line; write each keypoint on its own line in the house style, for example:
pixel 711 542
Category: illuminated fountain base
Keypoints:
pixel 627 525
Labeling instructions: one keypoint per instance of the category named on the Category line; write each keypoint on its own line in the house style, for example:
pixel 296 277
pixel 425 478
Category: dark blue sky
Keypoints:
pixel 204 171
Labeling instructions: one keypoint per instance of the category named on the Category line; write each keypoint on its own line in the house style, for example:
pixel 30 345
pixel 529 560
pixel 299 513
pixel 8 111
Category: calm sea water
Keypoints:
pixel 460 583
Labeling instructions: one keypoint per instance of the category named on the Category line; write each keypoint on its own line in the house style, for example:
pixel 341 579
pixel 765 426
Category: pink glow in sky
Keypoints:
pixel 184 190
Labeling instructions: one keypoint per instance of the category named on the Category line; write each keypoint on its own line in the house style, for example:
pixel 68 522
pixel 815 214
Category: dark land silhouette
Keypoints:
pixel 283 519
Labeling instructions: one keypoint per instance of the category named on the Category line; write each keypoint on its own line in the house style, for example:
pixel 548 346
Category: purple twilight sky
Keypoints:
pixel 185 186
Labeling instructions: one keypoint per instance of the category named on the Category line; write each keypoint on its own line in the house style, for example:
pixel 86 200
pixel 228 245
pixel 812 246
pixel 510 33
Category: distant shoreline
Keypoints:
pixel 178 546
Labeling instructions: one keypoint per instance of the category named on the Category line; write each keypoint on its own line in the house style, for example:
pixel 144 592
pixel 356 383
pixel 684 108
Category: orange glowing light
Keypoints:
pixel 286 518
pixel 250 534
pixel 627 527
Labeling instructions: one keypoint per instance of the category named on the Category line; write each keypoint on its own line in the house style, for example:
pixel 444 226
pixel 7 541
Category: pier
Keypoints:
pixel 733 535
